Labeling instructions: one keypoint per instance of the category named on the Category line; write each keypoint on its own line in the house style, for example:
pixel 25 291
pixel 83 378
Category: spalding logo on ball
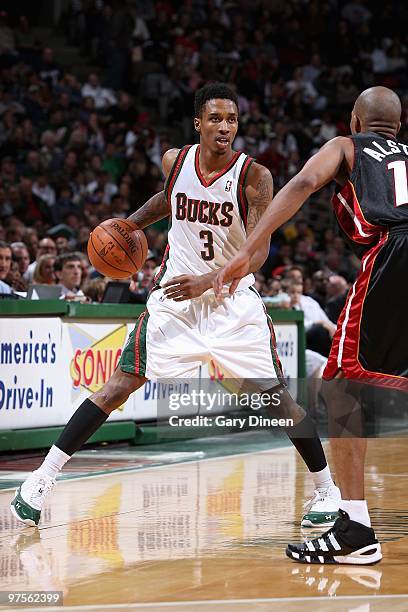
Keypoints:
pixel 117 248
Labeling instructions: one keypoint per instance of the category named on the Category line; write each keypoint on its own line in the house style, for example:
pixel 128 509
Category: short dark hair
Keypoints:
pixel 65 258
pixel 5 245
pixel 213 91
pixel 295 267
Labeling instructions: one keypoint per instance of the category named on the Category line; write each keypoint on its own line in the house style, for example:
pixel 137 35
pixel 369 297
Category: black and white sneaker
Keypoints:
pixel 346 542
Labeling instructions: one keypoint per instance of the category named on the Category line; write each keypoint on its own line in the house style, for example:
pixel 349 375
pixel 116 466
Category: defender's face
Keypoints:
pixel 218 125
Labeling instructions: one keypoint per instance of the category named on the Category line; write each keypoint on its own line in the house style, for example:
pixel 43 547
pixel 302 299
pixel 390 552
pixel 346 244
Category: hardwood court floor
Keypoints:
pixel 205 535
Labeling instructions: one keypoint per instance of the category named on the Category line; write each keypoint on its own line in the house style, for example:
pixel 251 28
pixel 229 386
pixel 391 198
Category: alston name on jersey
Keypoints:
pixel 210 213
pixel 380 153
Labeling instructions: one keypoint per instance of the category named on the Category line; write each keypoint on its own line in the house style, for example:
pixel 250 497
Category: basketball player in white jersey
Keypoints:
pixel 214 197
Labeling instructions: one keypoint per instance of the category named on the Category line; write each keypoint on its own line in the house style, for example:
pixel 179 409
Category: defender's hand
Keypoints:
pixel 235 269
pixel 186 287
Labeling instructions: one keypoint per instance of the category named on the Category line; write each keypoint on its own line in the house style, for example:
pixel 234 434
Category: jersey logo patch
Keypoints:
pixel 228 186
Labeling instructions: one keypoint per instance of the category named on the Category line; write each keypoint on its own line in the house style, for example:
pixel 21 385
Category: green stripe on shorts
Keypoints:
pixel 133 358
pixel 274 354
pixel 275 358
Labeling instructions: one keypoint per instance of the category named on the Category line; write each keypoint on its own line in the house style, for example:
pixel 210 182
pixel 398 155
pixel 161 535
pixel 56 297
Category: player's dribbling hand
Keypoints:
pixel 186 287
pixel 232 272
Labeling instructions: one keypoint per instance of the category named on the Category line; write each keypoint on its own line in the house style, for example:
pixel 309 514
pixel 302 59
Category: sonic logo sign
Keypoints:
pixel 93 365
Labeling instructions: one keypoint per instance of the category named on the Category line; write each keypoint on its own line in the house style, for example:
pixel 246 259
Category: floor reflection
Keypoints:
pixel 201 530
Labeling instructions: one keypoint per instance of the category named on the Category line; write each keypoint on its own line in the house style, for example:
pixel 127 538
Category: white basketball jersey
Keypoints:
pixel 208 218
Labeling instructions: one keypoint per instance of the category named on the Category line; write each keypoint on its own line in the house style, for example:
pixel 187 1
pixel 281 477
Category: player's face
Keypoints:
pixel 218 125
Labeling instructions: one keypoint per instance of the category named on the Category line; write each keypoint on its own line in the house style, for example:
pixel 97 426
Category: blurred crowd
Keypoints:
pixel 74 152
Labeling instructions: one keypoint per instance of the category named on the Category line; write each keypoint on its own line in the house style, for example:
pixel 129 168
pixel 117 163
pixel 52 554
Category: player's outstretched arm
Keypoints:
pixel 323 167
pixel 157 207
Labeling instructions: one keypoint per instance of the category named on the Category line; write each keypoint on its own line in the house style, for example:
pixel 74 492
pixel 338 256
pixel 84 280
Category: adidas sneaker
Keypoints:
pixel 346 542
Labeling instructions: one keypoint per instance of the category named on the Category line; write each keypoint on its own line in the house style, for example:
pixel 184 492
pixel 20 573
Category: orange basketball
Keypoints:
pixel 116 248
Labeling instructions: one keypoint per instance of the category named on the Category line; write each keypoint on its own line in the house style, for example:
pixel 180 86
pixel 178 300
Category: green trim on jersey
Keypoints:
pixel 170 182
pixel 163 266
pixel 174 172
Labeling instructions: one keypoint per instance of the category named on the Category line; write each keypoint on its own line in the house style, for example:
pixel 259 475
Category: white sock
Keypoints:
pixel 357 510
pixel 54 461
pixel 322 479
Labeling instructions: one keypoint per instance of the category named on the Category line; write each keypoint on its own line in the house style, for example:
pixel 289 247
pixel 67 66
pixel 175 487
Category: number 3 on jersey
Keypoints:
pixel 208 238
pixel 399 168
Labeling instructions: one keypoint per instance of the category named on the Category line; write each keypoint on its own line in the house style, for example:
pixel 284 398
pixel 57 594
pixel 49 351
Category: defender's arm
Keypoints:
pixel 322 168
pixel 317 172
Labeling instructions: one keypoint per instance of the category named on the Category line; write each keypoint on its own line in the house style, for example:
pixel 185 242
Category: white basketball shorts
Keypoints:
pixel 233 333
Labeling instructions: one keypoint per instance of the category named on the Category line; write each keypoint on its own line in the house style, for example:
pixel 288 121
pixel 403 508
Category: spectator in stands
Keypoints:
pixel 102 97
pixel 44 272
pixel 21 256
pixel 94 289
pixel 272 159
pixel 103 184
pixel 14 278
pixel 51 156
pixel 273 295
pixel 14 229
pixel 319 287
pixel 27 43
pixel 294 274
pixel 5 207
pixel 5 264
pixel 7 39
pixel 85 267
pixel 337 290
pixel 68 271
pixel 31 241
pixel 43 190
pixel 48 70
pixel 319 328
pixel 62 235
pixel 46 246
pixel 142 282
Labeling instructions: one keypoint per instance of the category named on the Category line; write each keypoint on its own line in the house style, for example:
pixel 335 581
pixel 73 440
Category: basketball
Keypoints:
pixel 116 248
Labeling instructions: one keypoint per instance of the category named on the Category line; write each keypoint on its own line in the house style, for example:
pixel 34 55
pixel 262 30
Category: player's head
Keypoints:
pixel 216 116
pixel 376 109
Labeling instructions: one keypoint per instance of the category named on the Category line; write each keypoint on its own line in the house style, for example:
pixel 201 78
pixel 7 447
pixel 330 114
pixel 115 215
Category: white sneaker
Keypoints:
pixel 30 497
pixel 323 508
